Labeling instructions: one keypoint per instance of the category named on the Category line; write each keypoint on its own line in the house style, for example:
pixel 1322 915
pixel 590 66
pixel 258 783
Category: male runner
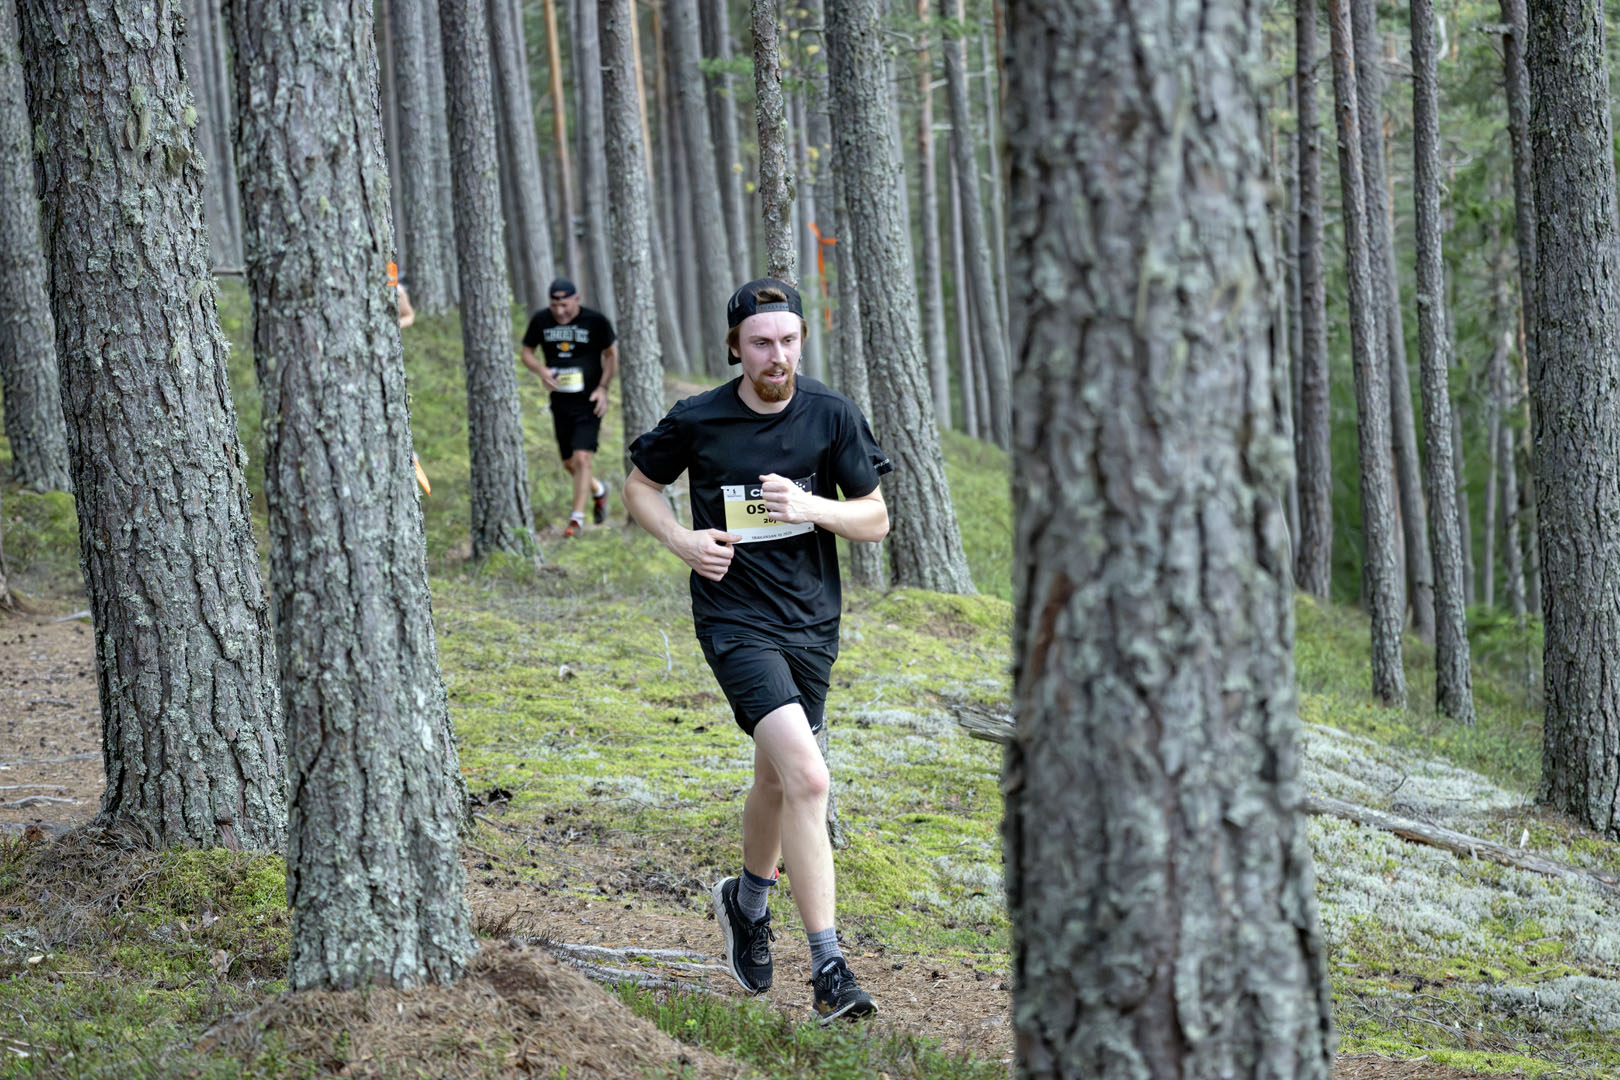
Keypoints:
pixel 767 454
pixel 581 359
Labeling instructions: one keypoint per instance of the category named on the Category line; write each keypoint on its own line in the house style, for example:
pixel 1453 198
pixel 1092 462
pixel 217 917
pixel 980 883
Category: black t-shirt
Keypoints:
pixel 783 581
pixel 574 349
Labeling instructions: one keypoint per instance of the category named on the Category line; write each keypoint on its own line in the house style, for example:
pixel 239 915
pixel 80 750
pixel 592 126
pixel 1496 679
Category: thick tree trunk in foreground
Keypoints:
pixel 1380 571
pixel 1453 683
pixel 1577 408
pixel 925 544
pixel 1313 570
pixel 374 878
pixel 640 355
pixel 775 188
pixel 34 422
pixel 1154 630
pixel 501 519
pixel 191 722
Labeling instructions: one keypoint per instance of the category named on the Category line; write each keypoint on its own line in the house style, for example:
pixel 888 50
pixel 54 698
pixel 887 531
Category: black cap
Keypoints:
pixel 560 288
pixel 745 301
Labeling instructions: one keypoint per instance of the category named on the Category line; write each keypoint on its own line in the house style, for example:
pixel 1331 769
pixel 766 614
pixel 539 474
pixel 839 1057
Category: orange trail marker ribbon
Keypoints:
pixel 421 476
pixel 822 244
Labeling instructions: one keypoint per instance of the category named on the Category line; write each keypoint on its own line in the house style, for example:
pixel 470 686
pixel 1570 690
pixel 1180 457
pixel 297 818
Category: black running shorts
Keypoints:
pixel 759 677
pixel 577 426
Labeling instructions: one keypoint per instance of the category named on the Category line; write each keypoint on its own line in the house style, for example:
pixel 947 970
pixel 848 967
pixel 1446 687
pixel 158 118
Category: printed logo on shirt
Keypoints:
pixel 568 336
pixel 570 380
pixel 747 517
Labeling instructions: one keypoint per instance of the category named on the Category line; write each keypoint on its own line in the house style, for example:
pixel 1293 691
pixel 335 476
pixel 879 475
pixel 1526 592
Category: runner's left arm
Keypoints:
pixel 610 366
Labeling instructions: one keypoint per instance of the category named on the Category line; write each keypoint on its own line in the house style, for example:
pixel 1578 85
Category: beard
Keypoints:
pixel 768 391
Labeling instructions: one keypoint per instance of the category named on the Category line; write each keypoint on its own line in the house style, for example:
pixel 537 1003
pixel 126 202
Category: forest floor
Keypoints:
pixel 609 777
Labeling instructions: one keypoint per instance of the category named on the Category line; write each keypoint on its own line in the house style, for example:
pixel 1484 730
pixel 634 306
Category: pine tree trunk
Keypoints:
pixel 775 188
pixel 1464 518
pixel 865 560
pixel 1380 570
pixel 427 266
pixel 389 100
pixel 933 315
pixel 1517 79
pixel 1419 579
pixel 1512 536
pixel 1312 444
pixel 714 276
pixel 565 168
pixel 191 721
pixel 925 544
pixel 374 878
pixel 728 168
pixel 533 233
pixel 594 181
pixel 981 274
pixel 805 216
pixel 640 356
pixel 1576 412
pixel 198 72
pixel 28 376
pixel 433 50
pixel 995 208
pixel 964 332
pixel 1453 682
pixel 1154 630
pixel 501 519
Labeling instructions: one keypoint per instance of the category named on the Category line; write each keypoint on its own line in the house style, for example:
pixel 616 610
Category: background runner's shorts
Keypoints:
pixel 759 677
pixel 577 428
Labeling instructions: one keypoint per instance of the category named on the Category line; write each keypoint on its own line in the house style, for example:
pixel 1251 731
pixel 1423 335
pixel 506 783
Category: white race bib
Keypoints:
pixel 747 517
pixel 570 380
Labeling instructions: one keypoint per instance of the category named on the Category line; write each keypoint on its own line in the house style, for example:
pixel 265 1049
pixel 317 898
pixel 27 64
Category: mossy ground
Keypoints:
pixel 582 703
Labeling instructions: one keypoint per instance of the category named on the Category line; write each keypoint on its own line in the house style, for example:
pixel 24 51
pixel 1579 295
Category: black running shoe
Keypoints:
pixel 748 944
pixel 837 995
pixel 599 504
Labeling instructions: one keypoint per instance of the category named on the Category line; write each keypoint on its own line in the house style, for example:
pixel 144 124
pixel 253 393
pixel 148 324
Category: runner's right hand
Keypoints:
pixel 708 551
pixel 549 377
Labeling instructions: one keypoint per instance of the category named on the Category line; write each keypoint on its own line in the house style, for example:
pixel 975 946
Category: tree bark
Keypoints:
pixel 964 331
pixel 713 270
pixel 1380 573
pixel 925 544
pixel 594 181
pixel 728 167
pixel 1419 582
pixel 501 518
pixel 640 355
pixel 1517 79
pixel 34 422
pixel 1577 408
pixel 374 878
pixel 933 314
pixel 1453 682
pixel 981 274
pixel 198 39
pixel 1153 634
pixel 191 721
pixel 1312 443
pixel 433 50
pixel 775 183
pixel 865 560
pixel 533 232
pixel 1464 514
pixel 389 99
pixel 806 213
pixel 565 167
pixel 427 265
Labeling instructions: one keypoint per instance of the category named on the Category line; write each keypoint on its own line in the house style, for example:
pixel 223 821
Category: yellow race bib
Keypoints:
pixel 747 517
pixel 570 380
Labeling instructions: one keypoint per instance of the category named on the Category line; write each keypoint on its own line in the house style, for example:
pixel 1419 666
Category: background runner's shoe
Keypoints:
pixel 573 528
pixel 837 995
pixel 748 945
pixel 599 504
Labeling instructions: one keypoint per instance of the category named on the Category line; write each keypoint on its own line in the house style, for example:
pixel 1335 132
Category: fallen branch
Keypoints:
pixel 613 976
pixel 47 760
pixel 670 958
pixel 991 725
pixel 1461 844
pixel 31 800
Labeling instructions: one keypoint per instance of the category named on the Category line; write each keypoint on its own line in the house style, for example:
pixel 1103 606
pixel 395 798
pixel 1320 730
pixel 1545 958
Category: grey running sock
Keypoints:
pixel 824 947
pixel 753 892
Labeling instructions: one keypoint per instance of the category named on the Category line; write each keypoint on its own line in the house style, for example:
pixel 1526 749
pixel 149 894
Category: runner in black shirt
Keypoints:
pixel 767 455
pixel 581 358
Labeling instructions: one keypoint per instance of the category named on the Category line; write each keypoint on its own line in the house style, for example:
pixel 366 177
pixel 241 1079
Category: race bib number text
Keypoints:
pixel 747 517
pixel 570 380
